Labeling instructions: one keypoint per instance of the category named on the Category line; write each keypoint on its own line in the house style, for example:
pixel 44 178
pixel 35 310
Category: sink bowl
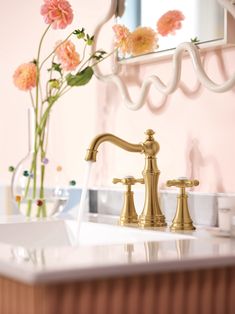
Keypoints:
pixel 57 233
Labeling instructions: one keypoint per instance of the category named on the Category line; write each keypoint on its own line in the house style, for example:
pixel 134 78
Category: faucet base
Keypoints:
pixel 128 215
pixel 157 221
pixel 124 221
pixel 176 226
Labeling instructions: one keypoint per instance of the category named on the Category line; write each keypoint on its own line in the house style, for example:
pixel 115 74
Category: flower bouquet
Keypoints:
pixel 66 69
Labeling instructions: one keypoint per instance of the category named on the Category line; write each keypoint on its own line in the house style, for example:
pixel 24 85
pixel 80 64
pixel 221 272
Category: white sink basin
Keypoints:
pixel 57 233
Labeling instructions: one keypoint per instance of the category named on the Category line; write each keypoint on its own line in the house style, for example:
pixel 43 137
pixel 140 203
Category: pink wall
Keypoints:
pixel 73 118
pixel 195 127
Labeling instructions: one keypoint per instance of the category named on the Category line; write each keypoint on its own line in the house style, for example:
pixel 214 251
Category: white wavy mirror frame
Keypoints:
pixel 172 85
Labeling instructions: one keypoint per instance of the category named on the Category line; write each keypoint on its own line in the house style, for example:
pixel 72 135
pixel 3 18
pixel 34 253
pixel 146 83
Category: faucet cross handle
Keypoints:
pixel 182 219
pixel 182 183
pixel 128 180
pixel 128 213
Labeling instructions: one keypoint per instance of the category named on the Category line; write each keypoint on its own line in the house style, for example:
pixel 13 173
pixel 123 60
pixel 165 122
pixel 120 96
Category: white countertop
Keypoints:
pixel 79 262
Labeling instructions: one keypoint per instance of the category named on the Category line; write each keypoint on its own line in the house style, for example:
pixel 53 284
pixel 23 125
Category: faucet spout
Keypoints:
pixel 107 137
pixel 151 215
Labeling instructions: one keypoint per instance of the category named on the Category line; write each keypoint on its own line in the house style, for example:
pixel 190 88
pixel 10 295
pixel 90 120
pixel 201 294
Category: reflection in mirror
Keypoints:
pixel 175 21
pixel 184 48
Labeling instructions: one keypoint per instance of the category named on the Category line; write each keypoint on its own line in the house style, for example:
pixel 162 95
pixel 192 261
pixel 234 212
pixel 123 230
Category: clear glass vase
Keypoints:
pixel 38 187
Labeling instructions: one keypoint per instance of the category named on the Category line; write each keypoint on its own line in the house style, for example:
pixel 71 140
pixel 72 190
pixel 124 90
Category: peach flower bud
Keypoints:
pixel 25 76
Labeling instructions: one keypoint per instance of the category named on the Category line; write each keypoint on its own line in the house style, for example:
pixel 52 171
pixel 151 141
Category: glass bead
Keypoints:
pixel 18 198
pixel 11 169
pixel 25 173
pixel 45 161
pixel 39 203
pixel 58 168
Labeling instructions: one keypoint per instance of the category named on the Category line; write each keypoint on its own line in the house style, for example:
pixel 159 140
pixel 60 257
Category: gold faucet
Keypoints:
pixel 151 215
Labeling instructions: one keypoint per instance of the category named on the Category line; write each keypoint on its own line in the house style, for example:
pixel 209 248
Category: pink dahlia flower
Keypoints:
pixel 58 13
pixel 143 40
pixel 122 34
pixel 25 76
pixel 170 22
pixel 67 55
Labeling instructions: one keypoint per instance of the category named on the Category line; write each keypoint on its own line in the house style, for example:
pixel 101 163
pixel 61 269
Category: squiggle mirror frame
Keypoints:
pixel 154 80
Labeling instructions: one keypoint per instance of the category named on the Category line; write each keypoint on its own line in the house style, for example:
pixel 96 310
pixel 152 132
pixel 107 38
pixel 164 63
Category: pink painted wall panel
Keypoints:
pixel 195 127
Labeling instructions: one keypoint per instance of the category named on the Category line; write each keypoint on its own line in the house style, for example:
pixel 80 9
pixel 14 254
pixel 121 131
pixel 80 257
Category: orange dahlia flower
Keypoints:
pixel 143 40
pixel 122 34
pixel 58 13
pixel 25 76
pixel 170 22
pixel 67 55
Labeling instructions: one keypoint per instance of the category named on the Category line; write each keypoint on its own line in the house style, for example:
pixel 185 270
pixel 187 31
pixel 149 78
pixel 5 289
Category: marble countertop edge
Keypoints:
pixel 112 271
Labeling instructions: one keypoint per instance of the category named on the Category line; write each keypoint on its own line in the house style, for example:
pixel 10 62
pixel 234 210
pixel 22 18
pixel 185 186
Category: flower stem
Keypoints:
pixel 32 101
pixel 28 213
pixel 37 116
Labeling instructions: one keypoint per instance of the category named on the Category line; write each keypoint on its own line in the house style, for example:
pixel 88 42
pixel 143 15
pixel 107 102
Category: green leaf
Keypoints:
pixel 80 78
pixel 79 33
pixel 195 40
pixel 89 40
pixel 56 67
pixel 34 61
pixel 99 54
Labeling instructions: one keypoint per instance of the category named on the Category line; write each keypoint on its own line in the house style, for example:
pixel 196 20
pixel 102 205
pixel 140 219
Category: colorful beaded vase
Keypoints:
pixel 39 187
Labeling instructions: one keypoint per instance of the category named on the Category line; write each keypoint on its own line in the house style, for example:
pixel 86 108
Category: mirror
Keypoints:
pixel 224 36
pixel 202 21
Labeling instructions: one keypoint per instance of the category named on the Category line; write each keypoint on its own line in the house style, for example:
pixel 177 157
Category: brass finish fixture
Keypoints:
pixel 128 213
pixel 107 137
pixel 182 219
pixel 151 215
